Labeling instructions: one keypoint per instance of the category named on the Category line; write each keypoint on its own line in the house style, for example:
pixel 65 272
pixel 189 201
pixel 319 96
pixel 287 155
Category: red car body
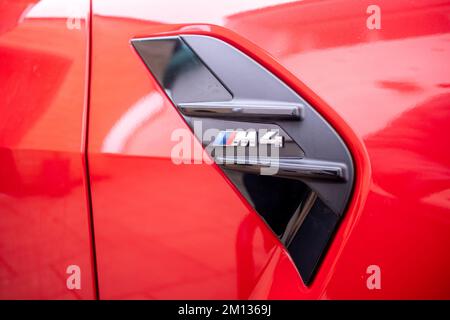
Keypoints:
pixel 86 176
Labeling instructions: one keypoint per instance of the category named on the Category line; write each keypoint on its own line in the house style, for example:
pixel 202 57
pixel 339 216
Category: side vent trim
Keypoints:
pixel 223 90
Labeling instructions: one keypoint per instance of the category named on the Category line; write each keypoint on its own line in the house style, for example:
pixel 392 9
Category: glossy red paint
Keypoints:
pixel 178 229
pixel 44 217
pixel 183 231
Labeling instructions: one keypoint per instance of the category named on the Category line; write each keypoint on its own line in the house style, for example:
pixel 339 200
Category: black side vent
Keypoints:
pixel 260 123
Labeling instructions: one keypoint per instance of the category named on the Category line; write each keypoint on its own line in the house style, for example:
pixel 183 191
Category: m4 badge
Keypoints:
pixel 244 138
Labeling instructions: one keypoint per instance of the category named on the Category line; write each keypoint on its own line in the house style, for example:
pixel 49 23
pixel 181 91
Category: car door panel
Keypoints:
pixel 44 201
